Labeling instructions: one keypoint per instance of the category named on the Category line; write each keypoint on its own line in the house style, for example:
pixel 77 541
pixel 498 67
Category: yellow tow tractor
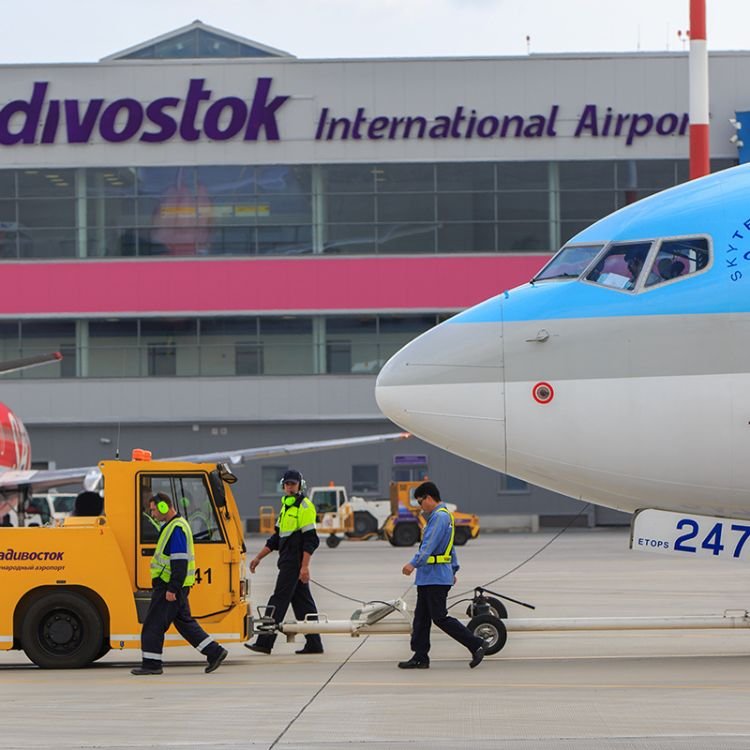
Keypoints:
pixel 73 592
pixel 404 526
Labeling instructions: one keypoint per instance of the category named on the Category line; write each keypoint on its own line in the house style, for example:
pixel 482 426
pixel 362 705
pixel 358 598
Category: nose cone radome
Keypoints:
pixel 447 387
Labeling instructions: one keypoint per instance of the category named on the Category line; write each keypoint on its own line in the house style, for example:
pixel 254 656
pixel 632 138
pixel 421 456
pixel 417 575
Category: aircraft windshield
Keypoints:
pixel 568 263
pixel 632 266
pixel 621 266
pixel 678 258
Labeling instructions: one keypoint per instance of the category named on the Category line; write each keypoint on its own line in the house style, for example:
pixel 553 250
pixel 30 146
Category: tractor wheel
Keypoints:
pixel 364 523
pixel 406 534
pixel 491 630
pixel 332 541
pixel 62 630
pixel 462 535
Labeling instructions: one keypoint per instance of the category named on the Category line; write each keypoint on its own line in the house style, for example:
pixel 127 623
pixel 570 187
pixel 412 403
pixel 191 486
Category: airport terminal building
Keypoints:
pixel 227 242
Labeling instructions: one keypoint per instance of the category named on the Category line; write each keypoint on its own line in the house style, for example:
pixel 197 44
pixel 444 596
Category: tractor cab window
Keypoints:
pixel 569 263
pixel 325 501
pixel 678 259
pixel 192 501
pixel 622 265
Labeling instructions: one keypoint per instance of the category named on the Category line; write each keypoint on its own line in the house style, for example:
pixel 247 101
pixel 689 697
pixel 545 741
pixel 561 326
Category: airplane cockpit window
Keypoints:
pixel 678 258
pixel 621 266
pixel 568 263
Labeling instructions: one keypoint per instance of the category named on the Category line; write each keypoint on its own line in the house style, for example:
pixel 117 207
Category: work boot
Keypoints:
pixel 307 649
pixel 476 657
pixel 213 664
pixel 143 669
pixel 414 663
pixel 257 649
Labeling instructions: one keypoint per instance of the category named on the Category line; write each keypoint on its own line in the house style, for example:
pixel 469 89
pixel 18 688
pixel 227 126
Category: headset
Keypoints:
pixel 161 505
pixel 290 500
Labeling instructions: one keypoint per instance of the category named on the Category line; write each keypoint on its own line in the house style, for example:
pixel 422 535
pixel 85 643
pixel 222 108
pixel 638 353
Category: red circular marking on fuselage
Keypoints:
pixel 543 393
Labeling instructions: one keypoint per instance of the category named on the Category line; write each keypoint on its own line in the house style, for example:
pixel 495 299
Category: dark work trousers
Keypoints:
pixel 161 614
pixel 431 607
pixel 290 590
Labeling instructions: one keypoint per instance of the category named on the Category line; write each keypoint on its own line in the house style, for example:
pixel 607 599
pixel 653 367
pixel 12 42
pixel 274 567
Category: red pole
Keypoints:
pixel 699 143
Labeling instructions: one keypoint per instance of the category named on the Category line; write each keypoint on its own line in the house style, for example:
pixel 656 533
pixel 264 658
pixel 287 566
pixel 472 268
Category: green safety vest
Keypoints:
pixel 446 556
pixel 160 563
pixel 295 517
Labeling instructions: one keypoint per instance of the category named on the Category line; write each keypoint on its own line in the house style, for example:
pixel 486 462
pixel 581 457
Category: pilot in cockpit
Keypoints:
pixel 635 258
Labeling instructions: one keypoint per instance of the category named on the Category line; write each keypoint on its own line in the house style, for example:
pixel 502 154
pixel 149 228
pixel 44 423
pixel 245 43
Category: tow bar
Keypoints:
pixel 485 620
pixel 488 618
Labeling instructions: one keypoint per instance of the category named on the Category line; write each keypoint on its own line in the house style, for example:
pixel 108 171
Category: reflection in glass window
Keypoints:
pixel 113 348
pixel 587 205
pixel 191 499
pixel 46 183
pixel 587 175
pixel 398 178
pixel 42 337
pixel 509 485
pixel 621 266
pixel 338 357
pixel 466 207
pixel 270 478
pixel 569 262
pixel 677 259
pixel 406 238
pixel 466 237
pixel 471 177
pixel 523 235
pixel 248 359
pixel 365 478
pixel 348 178
pixel 527 175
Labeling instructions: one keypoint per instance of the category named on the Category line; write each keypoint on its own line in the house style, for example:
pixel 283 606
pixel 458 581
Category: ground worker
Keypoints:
pixel 296 539
pixel 436 565
pixel 172 575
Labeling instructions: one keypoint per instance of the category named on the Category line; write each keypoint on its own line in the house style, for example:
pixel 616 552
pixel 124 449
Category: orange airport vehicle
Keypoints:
pixel 73 592
pixel 404 526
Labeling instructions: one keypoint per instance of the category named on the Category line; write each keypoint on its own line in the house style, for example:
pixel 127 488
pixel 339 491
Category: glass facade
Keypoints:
pixel 211 347
pixel 245 210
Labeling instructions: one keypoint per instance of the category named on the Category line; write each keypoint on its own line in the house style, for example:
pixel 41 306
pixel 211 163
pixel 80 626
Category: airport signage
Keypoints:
pixel 198 114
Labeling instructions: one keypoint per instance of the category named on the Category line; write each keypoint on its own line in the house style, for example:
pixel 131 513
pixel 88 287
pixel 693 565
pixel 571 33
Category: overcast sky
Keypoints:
pixel 87 30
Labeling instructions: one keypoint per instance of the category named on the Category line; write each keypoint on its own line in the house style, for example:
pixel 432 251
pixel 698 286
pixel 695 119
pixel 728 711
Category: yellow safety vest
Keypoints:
pixel 160 563
pixel 295 517
pixel 446 556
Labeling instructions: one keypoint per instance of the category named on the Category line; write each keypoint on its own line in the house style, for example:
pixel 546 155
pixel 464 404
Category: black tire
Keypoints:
pixel 491 630
pixel 462 535
pixel 332 541
pixel 103 650
pixel 405 534
pixel 497 608
pixel 62 630
pixel 364 523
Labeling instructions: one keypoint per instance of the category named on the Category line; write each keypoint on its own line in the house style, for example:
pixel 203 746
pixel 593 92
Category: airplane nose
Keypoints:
pixel 447 387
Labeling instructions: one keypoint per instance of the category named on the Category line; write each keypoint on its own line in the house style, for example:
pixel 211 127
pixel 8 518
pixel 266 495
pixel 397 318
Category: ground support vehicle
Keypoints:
pixel 404 526
pixel 42 510
pixel 393 617
pixel 353 516
pixel 72 592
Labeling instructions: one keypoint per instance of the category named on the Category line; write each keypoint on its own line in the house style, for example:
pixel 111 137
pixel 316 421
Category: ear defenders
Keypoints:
pixel 290 500
pixel 162 507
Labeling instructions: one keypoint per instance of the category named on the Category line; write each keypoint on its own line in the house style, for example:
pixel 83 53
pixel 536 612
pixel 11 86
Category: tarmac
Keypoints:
pixel 665 690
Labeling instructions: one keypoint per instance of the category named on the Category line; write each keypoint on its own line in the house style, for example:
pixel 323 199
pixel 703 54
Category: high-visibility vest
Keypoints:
pixel 446 556
pixel 160 562
pixel 296 516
